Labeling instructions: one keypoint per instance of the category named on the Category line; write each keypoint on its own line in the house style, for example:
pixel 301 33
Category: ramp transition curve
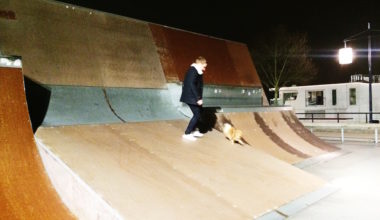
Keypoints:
pixel 25 190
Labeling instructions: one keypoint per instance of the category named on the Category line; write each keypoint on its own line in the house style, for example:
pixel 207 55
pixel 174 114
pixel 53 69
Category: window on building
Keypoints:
pixel 290 96
pixel 333 94
pixel 352 96
pixel 314 98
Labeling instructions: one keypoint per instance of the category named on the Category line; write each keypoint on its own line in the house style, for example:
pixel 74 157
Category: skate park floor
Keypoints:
pixel 355 174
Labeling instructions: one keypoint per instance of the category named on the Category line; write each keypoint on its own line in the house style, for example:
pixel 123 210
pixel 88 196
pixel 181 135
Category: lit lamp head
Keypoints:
pixel 345 55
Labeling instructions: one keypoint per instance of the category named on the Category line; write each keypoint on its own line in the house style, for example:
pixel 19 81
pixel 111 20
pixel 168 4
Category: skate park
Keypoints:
pixel 91 124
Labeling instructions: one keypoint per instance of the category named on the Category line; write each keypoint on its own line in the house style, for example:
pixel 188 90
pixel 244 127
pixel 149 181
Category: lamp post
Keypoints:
pixel 346 56
pixel 369 73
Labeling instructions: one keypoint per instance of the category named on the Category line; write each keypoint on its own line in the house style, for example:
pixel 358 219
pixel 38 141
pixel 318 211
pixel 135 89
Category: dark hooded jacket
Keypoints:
pixel 192 87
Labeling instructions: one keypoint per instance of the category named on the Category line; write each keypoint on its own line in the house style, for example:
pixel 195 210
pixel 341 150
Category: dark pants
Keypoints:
pixel 196 109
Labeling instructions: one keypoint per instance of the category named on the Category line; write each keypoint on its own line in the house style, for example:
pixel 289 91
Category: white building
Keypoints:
pixel 333 98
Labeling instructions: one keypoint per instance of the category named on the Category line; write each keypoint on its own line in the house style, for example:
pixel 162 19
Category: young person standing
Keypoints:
pixel 192 90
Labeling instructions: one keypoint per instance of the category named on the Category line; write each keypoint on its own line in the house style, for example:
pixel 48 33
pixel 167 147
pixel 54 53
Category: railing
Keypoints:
pixel 338 117
pixel 342 137
pixel 365 79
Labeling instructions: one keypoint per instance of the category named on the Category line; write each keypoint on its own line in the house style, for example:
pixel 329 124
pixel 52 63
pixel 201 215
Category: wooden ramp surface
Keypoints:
pixel 256 137
pixel 177 49
pixel 278 125
pixel 293 122
pixel 278 133
pixel 145 170
pixel 79 46
pixel 25 190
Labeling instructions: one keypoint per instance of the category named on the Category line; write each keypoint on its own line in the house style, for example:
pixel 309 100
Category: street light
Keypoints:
pixel 346 57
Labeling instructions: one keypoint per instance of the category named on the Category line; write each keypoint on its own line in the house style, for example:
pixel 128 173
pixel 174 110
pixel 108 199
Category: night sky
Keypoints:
pixel 326 23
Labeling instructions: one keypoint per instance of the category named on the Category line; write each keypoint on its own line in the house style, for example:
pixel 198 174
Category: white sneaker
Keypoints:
pixel 197 134
pixel 189 137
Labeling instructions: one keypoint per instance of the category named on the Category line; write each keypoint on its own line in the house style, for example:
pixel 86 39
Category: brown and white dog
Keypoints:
pixel 232 133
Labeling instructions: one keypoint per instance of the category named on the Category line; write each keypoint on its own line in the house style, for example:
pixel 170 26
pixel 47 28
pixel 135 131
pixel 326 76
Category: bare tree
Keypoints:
pixel 282 59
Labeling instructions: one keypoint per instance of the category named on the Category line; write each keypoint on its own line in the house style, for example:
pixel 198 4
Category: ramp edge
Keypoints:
pixel 82 201
pixel 307 200
pixel 320 159
pixel 298 204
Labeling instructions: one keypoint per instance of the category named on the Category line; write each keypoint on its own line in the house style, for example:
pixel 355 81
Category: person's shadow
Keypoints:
pixel 208 119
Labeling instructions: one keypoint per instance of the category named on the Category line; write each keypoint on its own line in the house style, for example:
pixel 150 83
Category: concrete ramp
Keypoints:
pixel 70 105
pixel 143 104
pixel 25 190
pixel 78 105
pixel 145 170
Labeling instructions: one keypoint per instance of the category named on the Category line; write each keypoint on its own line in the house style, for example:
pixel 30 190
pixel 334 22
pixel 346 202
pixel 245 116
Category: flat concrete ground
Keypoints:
pixel 357 175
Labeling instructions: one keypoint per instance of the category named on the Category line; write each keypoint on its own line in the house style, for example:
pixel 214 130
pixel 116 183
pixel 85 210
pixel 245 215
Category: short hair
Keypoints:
pixel 200 59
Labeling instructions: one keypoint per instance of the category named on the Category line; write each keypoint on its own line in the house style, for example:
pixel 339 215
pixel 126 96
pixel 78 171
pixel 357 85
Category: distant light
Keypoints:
pixel 345 55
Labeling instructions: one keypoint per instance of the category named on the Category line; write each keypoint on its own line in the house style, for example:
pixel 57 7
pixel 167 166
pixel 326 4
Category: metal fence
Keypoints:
pixel 338 116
